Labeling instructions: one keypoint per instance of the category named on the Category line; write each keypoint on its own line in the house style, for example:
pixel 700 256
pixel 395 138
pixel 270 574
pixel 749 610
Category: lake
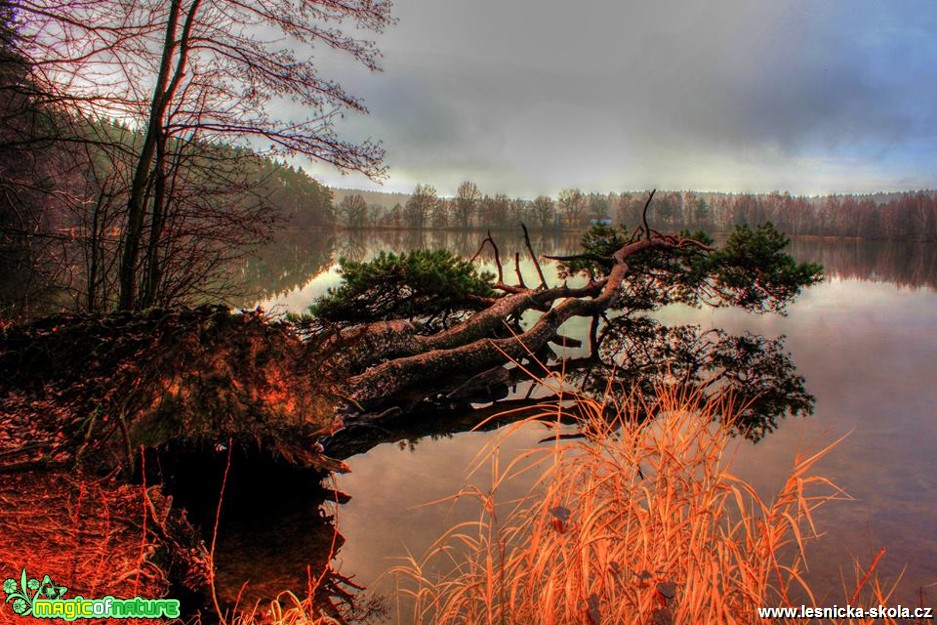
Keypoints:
pixel 865 340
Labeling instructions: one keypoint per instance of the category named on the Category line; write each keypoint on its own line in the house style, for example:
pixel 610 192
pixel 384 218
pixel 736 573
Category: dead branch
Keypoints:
pixel 533 257
pixel 517 270
pixel 488 239
pixel 647 229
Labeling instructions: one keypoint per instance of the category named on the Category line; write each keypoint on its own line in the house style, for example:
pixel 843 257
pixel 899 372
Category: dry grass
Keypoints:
pixel 87 534
pixel 325 603
pixel 635 523
pixel 288 609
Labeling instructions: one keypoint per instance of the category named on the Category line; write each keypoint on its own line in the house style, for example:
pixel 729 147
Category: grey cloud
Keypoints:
pixel 527 96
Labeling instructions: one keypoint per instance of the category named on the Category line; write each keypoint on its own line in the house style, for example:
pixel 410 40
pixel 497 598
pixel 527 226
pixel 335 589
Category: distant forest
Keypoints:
pixel 906 216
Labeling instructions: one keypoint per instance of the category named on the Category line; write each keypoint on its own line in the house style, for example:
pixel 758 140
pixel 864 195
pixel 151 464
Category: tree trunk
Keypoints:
pixel 167 81
pixel 470 346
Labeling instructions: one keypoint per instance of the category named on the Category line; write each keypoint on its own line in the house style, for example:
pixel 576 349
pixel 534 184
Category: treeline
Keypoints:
pixel 893 216
pixel 896 216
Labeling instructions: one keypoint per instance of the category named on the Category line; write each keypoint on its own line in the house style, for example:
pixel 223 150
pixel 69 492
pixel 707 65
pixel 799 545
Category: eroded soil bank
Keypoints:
pixel 114 440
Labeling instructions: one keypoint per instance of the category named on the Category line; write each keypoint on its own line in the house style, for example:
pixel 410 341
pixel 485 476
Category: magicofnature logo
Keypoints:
pixel 45 599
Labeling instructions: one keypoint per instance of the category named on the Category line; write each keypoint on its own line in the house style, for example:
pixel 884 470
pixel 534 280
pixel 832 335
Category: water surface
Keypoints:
pixel 865 340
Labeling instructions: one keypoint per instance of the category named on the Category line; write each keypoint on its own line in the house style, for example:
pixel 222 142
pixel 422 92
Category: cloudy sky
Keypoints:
pixel 530 96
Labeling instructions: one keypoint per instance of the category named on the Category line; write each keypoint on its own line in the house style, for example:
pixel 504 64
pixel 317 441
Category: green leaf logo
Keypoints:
pixel 24 594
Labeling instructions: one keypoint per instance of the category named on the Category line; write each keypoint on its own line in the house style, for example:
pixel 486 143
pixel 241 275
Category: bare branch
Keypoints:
pixel 647 229
pixel 517 270
pixel 533 257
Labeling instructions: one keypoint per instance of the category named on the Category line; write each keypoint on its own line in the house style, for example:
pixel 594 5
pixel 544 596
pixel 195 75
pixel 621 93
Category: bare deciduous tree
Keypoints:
pixel 199 72
pixel 466 204
pixel 543 210
pixel 353 211
pixel 420 206
pixel 573 204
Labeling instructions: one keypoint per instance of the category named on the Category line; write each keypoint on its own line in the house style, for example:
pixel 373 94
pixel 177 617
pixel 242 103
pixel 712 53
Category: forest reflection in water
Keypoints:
pixel 285 269
pixel 864 340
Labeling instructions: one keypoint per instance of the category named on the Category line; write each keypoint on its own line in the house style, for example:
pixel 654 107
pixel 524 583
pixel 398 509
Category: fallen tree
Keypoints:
pixel 623 276
pixel 414 332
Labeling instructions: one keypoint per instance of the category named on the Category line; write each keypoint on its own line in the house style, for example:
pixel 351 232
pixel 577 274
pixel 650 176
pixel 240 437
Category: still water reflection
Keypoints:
pixel 865 340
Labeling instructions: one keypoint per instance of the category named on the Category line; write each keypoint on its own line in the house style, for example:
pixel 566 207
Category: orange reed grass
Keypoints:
pixel 637 522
